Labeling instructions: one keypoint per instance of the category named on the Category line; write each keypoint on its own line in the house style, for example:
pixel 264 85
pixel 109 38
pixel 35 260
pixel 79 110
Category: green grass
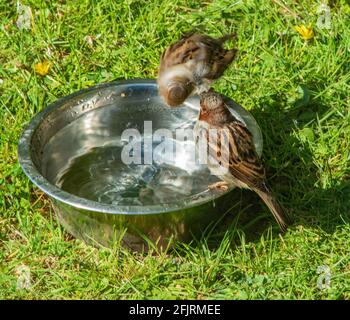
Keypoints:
pixel 298 92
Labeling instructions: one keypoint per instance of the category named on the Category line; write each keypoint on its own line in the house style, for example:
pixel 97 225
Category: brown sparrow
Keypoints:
pixel 231 152
pixel 191 64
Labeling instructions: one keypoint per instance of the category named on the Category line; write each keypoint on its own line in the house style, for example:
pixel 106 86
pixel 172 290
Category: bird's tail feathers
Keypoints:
pixel 276 209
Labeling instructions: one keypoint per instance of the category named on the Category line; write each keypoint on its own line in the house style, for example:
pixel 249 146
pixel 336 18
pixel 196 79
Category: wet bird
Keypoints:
pixel 191 64
pixel 231 152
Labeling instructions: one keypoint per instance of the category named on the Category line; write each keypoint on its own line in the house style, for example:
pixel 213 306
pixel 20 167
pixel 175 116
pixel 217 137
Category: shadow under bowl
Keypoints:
pixel 74 151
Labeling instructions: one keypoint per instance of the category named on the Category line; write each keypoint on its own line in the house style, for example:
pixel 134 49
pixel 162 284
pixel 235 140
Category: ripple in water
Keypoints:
pixel 84 159
pixel 100 175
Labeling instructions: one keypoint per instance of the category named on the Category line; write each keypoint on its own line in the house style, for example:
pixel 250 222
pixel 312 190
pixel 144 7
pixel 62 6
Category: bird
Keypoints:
pixel 191 64
pixel 232 156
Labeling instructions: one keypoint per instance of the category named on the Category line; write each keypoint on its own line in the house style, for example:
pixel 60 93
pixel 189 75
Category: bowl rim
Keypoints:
pixel 51 190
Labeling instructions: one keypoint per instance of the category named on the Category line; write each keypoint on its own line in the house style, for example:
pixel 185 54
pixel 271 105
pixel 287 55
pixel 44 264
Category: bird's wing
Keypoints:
pixel 216 56
pixel 235 148
pixel 180 52
pixel 198 47
pixel 188 48
pixel 222 60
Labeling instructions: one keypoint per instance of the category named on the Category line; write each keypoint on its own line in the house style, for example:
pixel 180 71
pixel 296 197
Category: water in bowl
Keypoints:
pixel 91 165
pixel 100 175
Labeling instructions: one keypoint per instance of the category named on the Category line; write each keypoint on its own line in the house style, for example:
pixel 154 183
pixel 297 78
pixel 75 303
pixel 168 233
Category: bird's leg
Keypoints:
pixel 221 185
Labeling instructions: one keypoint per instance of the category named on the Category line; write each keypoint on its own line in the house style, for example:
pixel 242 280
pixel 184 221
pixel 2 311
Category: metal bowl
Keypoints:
pixel 72 151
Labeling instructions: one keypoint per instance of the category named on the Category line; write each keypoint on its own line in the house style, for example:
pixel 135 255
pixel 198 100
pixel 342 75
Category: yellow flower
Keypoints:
pixel 305 32
pixel 42 68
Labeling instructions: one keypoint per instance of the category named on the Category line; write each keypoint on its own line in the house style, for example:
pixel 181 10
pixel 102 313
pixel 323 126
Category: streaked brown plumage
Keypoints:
pixel 230 145
pixel 191 64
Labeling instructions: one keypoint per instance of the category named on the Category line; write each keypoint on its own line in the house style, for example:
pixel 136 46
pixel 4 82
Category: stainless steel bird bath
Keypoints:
pixel 95 118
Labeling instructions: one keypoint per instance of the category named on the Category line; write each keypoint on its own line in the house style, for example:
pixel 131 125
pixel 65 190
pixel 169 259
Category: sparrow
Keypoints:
pixel 191 64
pixel 231 152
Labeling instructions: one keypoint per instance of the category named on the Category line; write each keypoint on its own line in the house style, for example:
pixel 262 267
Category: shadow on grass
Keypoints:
pixel 292 174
